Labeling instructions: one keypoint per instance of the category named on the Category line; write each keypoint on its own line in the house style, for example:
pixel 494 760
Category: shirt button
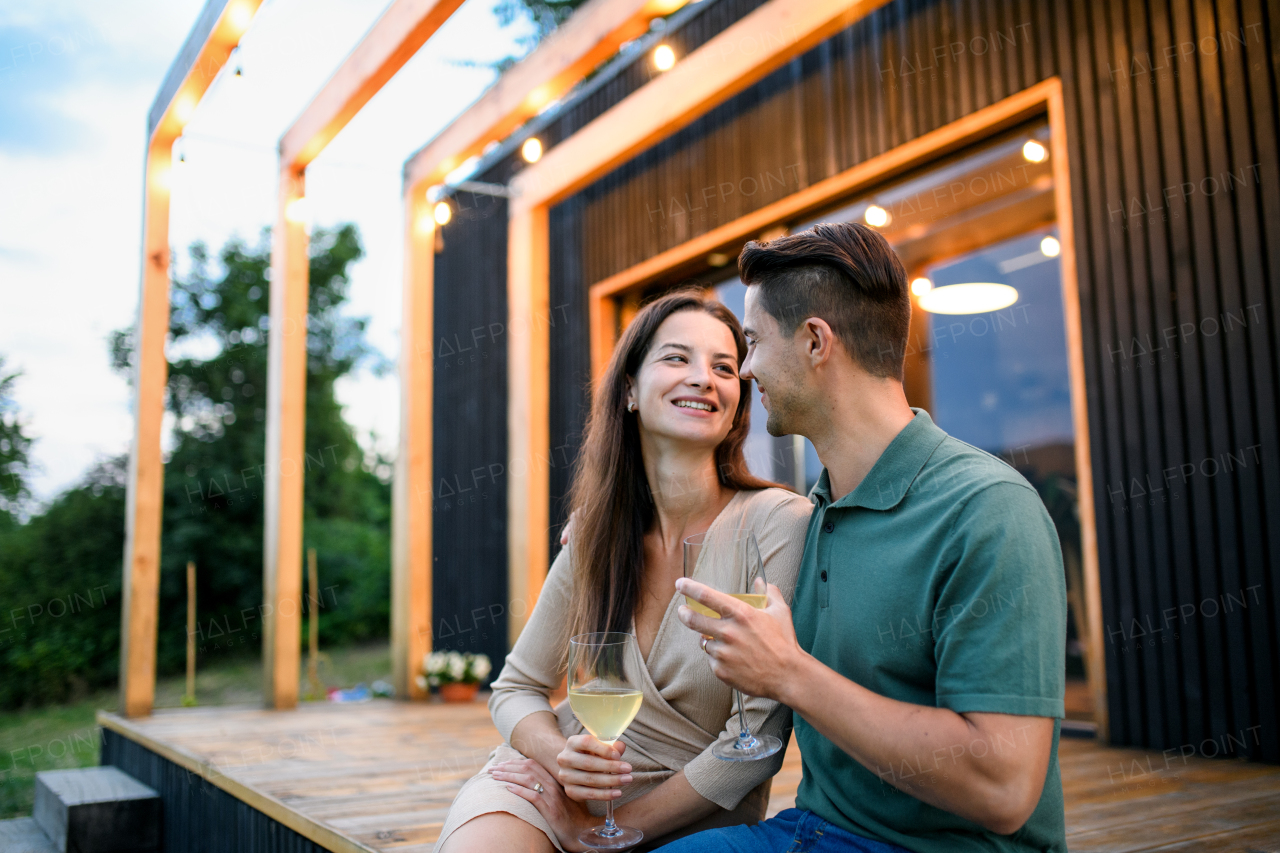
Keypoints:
pixel 824 577
pixel 828 527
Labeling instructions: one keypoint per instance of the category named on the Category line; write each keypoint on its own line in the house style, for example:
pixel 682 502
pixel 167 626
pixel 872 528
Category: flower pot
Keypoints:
pixel 458 692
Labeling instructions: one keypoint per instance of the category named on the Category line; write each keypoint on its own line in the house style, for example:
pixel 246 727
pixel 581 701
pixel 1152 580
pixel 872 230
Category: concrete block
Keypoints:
pixel 24 835
pixel 97 810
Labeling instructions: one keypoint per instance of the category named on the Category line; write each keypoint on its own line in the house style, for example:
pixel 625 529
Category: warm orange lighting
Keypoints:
pixel 239 16
pixel 531 151
pixel 298 211
pixel 443 213
pixel 973 298
pixel 876 216
pixel 921 286
pixel 1034 152
pixel 1050 247
pixel 664 58
pixel 184 107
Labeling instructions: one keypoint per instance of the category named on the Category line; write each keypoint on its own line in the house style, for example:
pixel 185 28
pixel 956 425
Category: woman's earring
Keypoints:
pixel 631 407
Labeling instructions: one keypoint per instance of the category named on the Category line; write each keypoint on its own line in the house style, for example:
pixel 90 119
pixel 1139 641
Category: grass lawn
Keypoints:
pixel 62 736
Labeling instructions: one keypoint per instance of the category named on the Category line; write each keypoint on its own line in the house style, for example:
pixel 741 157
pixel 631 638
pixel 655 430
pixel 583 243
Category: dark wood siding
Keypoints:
pixel 198 815
pixel 1172 123
pixel 469 453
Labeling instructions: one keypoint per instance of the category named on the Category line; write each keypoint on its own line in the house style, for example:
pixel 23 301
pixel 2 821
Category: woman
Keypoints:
pixel 662 460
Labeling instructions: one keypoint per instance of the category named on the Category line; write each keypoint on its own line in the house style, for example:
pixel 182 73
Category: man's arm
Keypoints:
pixel 987 768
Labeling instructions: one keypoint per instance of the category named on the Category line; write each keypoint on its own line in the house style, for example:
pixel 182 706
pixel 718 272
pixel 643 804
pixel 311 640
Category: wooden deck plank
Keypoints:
pixel 381 776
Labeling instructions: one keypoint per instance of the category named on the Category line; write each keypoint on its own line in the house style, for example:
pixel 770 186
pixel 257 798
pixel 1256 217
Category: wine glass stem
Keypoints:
pixel 610 828
pixel 744 734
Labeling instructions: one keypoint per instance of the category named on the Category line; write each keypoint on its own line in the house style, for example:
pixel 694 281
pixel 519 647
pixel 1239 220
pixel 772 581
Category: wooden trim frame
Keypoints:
pixel 217 32
pixel 1044 98
pixel 397 35
pixel 210 772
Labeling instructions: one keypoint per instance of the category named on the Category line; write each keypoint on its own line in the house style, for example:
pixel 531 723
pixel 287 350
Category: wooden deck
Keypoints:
pixel 380 777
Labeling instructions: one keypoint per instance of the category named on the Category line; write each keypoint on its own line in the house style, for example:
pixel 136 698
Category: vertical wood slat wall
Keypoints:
pixel 469 422
pixel 1172 123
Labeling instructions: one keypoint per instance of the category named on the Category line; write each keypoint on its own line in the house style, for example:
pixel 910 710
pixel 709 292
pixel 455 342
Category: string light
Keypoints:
pixel 1034 152
pixel 664 58
pixel 876 216
pixel 531 151
pixel 1050 247
pixel 921 286
pixel 443 213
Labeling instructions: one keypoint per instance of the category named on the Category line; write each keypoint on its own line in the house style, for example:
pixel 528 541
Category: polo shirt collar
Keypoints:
pixel 891 477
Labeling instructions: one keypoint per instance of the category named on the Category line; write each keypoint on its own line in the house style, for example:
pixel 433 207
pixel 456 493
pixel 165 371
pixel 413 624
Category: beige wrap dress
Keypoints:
pixel 686 709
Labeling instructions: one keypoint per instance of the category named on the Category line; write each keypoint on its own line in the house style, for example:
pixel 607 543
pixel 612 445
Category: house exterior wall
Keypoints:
pixel 1171 120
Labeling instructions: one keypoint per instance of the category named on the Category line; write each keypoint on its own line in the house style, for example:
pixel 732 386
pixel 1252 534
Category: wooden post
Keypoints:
pixel 313 626
pixel 145 491
pixel 411 511
pixel 286 459
pixel 190 697
pixel 529 413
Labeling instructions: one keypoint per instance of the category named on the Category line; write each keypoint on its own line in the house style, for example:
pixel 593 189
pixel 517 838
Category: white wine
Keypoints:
pixel 755 599
pixel 606 711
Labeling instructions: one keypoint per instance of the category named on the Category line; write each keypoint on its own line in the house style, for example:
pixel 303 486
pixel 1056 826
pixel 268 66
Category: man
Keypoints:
pixel 923 655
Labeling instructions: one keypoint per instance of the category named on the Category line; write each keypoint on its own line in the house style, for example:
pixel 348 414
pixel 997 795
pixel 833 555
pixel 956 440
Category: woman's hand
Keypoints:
pixel 568 819
pixel 591 769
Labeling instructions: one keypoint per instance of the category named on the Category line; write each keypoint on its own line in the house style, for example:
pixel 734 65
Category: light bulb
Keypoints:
pixel 443 213
pixel 1050 247
pixel 531 151
pixel 921 286
pixel 1034 152
pixel 876 216
pixel 664 58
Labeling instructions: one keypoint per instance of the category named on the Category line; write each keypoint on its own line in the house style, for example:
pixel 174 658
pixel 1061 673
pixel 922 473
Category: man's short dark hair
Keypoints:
pixel 844 273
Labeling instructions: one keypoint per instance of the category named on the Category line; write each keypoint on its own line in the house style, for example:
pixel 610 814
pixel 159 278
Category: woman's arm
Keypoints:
pixel 538 737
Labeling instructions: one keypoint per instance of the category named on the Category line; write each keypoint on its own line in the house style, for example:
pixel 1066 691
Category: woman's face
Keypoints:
pixel 687 387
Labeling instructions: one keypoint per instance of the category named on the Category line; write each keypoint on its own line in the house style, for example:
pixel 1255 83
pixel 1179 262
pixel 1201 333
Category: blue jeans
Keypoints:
pixel 792 831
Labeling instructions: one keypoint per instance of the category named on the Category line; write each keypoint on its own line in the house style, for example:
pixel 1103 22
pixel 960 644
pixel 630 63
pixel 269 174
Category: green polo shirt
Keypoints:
pixel 937 581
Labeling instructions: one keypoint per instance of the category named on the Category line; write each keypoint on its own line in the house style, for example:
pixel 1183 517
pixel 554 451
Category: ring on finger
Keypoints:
pixel 704 644
pixel 537 786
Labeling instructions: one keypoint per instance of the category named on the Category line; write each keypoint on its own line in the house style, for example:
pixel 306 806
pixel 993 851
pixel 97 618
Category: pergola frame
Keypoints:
pixel 216 34
pixel 556 66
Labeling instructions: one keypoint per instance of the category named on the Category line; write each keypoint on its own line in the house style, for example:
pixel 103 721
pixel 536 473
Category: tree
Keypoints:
pixel 14 448
pixel 214 478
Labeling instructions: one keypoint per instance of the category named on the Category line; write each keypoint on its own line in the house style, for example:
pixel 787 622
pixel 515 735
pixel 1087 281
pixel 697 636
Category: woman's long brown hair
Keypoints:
pixel 610 493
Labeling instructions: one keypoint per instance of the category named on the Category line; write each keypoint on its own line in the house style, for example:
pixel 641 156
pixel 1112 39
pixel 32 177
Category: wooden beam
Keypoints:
pixel 145 490
pixel 286 452
pixel 412 504
pixel 528 414
pixel 591 36
pixel 396 36
pixel 739 56
pixel 205 52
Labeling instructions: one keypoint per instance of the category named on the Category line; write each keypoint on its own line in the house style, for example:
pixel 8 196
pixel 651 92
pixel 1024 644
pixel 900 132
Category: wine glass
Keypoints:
pixel 605 699
pixel 739 571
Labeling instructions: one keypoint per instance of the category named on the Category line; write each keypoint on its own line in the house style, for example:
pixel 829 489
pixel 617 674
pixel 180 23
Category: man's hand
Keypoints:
pixel 753 650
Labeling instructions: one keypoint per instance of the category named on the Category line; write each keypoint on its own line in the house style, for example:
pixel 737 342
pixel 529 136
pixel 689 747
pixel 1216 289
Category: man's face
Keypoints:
pixel 774 361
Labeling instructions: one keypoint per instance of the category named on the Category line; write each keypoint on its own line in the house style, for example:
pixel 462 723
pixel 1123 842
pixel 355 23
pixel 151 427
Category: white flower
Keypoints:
pixel 435 663
pixel 457 666
pixel 480 667
pixel 421 681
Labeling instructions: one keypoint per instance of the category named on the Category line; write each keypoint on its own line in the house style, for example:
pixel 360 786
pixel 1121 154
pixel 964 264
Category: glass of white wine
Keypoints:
pixel 739 571
pixel 605 698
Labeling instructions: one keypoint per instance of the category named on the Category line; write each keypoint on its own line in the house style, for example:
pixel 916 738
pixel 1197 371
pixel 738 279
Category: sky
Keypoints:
pixel 77 79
